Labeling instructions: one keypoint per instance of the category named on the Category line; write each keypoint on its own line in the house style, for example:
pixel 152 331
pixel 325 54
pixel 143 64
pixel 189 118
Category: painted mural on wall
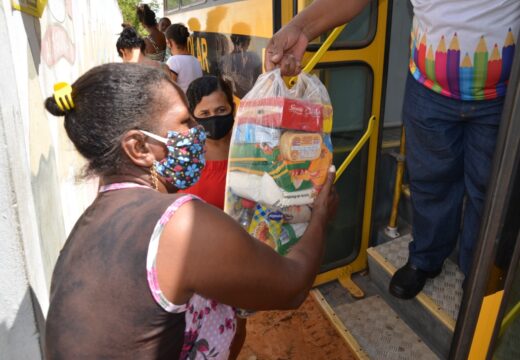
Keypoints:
pixel 68 39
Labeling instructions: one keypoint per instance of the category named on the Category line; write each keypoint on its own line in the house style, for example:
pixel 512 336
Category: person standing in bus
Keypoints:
pixel 241 66
pixel 184 66
pixel 460 61
pixel 155 41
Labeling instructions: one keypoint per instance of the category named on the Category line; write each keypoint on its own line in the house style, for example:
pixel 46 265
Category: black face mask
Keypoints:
pixel 217 126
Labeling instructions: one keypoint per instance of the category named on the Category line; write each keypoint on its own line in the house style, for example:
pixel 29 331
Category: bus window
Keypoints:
pixel 347 85
pixel 187 3
pixel 359 32
pixel 174 5
pixel 171 5
pixel 350 89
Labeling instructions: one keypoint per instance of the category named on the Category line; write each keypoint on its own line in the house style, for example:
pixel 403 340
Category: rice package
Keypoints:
pixel 279 157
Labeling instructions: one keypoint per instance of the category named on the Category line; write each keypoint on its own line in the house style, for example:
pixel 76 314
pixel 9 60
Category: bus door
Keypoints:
pixel 229 39
pixel 353 72
pixel 488 325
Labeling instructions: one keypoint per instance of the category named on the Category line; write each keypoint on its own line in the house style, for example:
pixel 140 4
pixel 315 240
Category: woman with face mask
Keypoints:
pixel 147 273
pixel 210 101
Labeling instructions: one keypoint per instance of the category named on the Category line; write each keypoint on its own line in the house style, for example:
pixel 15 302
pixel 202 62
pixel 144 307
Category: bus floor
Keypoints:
pixel 302 334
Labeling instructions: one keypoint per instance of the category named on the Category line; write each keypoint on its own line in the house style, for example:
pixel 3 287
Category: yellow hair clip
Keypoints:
pixel 63 96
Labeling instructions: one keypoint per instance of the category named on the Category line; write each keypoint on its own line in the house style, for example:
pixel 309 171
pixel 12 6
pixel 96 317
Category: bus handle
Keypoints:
pixel 321 51
pixel 308 68
pixel 357 148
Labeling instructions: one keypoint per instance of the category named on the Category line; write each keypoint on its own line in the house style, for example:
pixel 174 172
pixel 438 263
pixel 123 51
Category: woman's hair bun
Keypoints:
pixel 146 15
pixel 129 39
pixel 185 31
pixel 129 32
pixel 52 107
pixel 178 33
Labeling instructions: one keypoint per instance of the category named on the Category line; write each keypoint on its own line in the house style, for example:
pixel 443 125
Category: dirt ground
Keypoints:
pixel 303 334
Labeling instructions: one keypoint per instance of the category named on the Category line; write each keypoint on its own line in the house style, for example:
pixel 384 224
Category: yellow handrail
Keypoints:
pixel 508 319
pixel 391 228
pixel 357 148
pixel 319 54
pixel 308 68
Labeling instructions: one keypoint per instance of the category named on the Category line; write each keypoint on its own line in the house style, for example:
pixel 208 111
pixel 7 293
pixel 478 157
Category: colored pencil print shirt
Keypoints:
pixel 464 49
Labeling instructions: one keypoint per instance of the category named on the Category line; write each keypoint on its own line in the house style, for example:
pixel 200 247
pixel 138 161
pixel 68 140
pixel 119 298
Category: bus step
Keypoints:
pixel 371 328
pixel 433 313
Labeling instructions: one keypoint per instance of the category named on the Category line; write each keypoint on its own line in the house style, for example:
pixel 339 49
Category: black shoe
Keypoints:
pixel 409 280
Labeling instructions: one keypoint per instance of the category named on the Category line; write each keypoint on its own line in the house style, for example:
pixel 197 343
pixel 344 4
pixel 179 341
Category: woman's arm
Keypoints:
pixel 173 75
pixel 174 67
pixel 204 251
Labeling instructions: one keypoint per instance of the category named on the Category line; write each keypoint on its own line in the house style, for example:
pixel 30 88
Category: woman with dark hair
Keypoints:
pixel 130 47
pixel 163 24
pixel 210 101
pixel 155 42
pixel 147 273
pixel 184 66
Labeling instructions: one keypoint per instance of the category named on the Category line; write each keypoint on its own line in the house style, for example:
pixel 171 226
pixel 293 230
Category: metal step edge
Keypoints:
pixel 350 337
pixel 340 327
pixel 422 298
pixel 427 318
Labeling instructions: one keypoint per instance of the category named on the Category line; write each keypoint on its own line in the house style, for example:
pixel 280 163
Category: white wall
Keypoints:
pixel 40 198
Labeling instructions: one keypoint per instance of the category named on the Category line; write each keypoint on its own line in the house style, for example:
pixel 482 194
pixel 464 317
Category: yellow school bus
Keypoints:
pixel 365 71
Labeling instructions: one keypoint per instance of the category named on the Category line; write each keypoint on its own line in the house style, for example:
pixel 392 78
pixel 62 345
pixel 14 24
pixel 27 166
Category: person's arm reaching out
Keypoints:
pixel 287 46
pixel 204 251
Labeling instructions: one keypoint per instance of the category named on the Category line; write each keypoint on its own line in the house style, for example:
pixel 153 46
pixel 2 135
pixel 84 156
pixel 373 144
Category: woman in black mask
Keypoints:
pixel 210 101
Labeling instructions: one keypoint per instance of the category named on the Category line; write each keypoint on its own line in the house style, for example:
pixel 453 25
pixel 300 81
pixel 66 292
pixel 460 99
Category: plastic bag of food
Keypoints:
pixel 279 157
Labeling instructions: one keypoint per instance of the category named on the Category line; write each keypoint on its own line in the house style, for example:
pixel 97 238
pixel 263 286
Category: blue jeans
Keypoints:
pixel 449 152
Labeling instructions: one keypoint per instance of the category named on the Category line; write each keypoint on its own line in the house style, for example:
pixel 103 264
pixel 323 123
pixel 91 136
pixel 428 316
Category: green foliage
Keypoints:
pixel 128 8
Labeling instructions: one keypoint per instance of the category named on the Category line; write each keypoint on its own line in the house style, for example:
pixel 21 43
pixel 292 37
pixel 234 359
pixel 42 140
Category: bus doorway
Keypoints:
pixel 365 72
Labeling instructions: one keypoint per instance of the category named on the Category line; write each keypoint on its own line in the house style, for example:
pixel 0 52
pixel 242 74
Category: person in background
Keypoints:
pixel 132 125
pixel 210 102
pixel 460 62
pixel 163 25
pixel 130 47
pixel 155 41
pixel 241 65
pixel 184 66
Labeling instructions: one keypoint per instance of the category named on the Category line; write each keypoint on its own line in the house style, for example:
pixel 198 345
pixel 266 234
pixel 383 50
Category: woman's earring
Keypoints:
pixel 155 179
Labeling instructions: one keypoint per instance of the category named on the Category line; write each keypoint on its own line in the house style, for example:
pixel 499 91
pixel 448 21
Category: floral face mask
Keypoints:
pixel 185 160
